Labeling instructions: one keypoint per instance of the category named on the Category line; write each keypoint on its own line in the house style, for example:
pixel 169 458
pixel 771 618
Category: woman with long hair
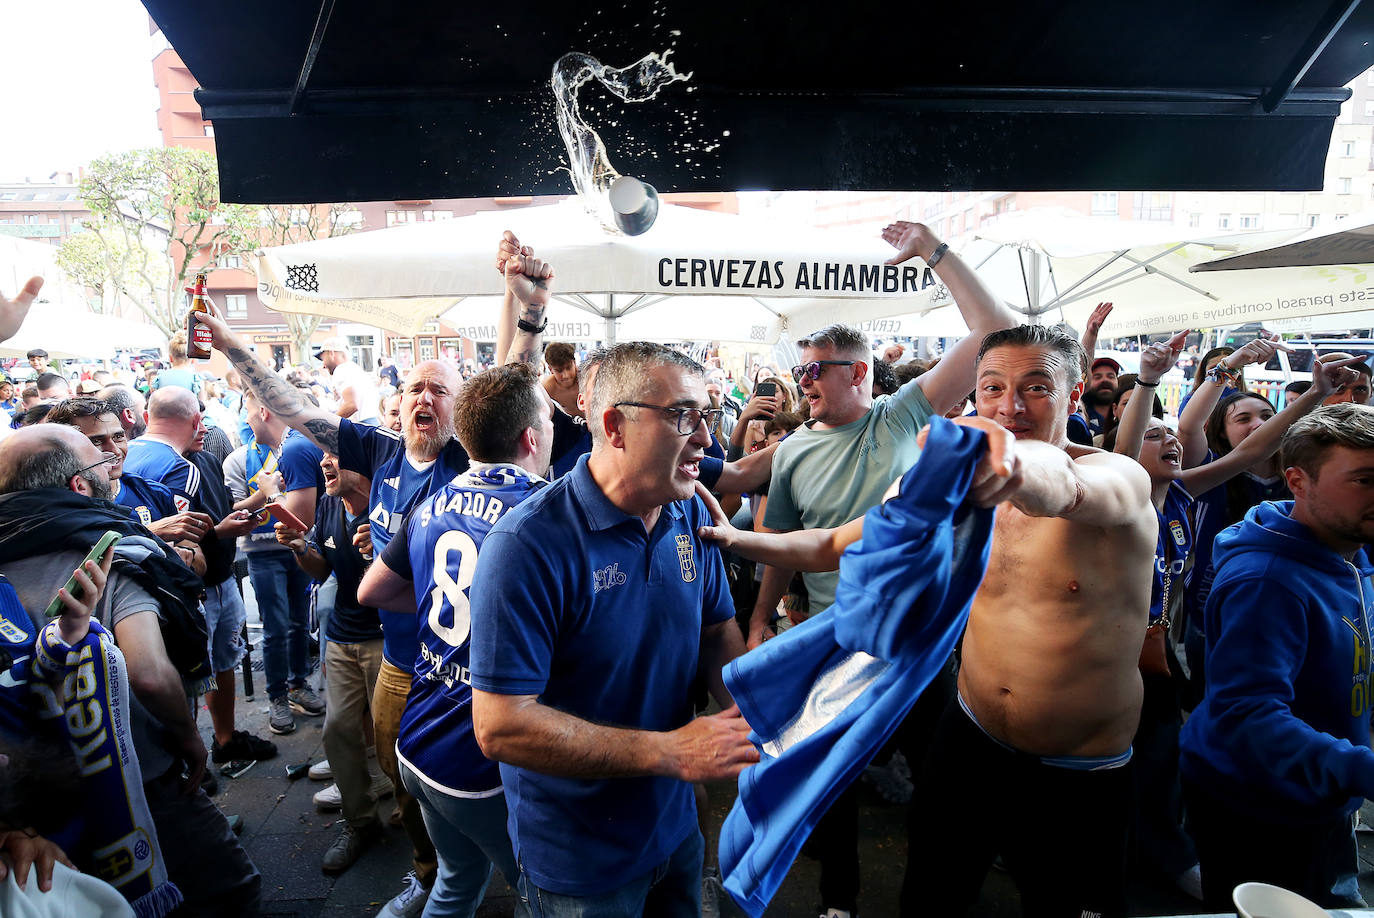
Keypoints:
pixel 1212 426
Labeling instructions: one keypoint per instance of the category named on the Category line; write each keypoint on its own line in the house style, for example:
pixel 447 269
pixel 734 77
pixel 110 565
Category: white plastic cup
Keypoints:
pixel 1261 900
pixel 634 205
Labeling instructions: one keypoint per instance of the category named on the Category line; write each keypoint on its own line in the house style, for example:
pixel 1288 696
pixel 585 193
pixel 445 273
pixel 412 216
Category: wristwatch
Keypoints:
pixel 531 328
pixel 936 255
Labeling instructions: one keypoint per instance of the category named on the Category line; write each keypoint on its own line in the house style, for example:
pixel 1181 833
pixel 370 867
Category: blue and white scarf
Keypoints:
pixel 81 693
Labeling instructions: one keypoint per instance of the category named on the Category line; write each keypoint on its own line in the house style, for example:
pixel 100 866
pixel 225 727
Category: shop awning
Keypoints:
pixel 335 101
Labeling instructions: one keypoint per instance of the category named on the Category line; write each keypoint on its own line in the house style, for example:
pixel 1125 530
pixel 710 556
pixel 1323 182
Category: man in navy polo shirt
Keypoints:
pixel 593 603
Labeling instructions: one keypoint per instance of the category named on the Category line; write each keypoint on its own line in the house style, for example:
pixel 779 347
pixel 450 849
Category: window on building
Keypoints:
pixel 433 216
pixel 231 261
pixel 40 196
pixel 78 224
pixel 1249 221
pixel 1194 220
pixel 1154 205
pixel 1347 148
pixel 209 129
pixel 399 217
pixel 1223 221
pixel 6 221
pixel 34 219
pixel 1369 109
pixel 426 348
pixel 348 217
pixel 236 305
pixel 1343 186
pixel 1104 203
pixel 9 195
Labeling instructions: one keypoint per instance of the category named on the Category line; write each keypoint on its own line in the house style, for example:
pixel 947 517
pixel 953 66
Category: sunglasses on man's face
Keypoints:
pixel 814 369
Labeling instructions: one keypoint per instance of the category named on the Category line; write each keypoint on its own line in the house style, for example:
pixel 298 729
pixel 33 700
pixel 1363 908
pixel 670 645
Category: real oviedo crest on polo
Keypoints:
pixel 684 557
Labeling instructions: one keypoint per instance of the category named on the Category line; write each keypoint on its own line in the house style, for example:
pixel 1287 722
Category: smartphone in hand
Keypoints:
pixel 285 517
pixel 55 608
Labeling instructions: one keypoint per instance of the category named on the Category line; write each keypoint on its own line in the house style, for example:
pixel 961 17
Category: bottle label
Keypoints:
pixel 201 339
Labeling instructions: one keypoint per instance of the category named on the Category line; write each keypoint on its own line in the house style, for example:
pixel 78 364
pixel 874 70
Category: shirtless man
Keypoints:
pixel 561 383
pixel 1031 762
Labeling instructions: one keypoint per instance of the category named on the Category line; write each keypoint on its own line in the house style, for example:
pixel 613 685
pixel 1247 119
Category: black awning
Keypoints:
pixel 346 100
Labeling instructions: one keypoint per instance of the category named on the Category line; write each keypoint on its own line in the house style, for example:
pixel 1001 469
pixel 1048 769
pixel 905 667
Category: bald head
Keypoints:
pixel 173 402
pixel 51 456
pixel 173 415
pixel 427 408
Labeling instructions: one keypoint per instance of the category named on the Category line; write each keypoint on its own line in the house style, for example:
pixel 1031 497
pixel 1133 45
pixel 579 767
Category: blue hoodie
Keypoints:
pixel 1284 727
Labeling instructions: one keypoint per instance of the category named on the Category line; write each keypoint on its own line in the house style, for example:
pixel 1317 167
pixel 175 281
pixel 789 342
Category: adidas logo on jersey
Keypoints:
pixel 393 483
pixel 329 542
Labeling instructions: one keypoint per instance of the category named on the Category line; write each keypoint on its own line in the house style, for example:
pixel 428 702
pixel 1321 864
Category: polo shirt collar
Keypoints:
pixel 601 513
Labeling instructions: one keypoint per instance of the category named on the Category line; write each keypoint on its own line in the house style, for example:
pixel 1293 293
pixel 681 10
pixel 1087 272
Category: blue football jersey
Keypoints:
pixel 147 500
pixel 437 549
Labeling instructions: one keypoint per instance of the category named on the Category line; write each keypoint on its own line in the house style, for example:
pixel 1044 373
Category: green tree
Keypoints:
pixel 155 213
pixel 287 224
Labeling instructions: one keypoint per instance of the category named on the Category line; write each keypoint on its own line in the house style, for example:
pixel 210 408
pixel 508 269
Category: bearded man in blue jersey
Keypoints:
pixel 505 421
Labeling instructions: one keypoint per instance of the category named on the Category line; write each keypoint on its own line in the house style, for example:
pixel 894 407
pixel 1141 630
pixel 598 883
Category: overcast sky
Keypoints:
pixel 78 83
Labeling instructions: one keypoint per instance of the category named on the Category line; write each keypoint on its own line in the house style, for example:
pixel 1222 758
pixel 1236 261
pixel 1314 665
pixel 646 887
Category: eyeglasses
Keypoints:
pixel 108 458
pixel 814 368
pixel 688 419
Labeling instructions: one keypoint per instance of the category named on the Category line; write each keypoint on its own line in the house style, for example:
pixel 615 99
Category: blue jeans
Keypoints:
pixel 672 890
pixel 282 590
pixel 470 837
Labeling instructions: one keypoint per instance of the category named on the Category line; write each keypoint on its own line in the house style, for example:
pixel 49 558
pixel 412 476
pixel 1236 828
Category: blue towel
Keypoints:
pixel 824 696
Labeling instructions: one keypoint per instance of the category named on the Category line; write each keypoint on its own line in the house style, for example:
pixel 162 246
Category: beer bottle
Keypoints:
pixel 197 334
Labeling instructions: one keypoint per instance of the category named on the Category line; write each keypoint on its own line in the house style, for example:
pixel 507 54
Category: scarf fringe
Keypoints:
pixel 159 903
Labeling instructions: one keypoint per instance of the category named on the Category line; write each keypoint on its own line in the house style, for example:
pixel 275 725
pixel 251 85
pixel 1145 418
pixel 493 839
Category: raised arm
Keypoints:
pixel 953 378
pixel 528 287
pixel 1093 328
pixel 1155 361
pixel 1327 375
pixel 1192 423
pixel 281 398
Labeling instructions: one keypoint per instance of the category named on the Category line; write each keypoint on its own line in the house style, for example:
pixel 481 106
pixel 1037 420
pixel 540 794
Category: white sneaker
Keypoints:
pixel 411 901
pixel 329 799
pixel 321 771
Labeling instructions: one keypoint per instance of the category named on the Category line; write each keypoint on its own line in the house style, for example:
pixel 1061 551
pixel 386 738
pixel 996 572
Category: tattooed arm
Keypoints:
pixel 280 397
pixel 527 295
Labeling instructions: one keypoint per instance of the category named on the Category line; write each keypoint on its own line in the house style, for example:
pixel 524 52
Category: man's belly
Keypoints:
pixel 1050 697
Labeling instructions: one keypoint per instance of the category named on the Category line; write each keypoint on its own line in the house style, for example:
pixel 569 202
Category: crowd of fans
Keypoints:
pixel 552 608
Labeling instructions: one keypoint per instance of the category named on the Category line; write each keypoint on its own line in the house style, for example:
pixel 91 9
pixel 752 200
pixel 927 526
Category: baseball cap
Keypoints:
pixel 336 343
pixel 1107 360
